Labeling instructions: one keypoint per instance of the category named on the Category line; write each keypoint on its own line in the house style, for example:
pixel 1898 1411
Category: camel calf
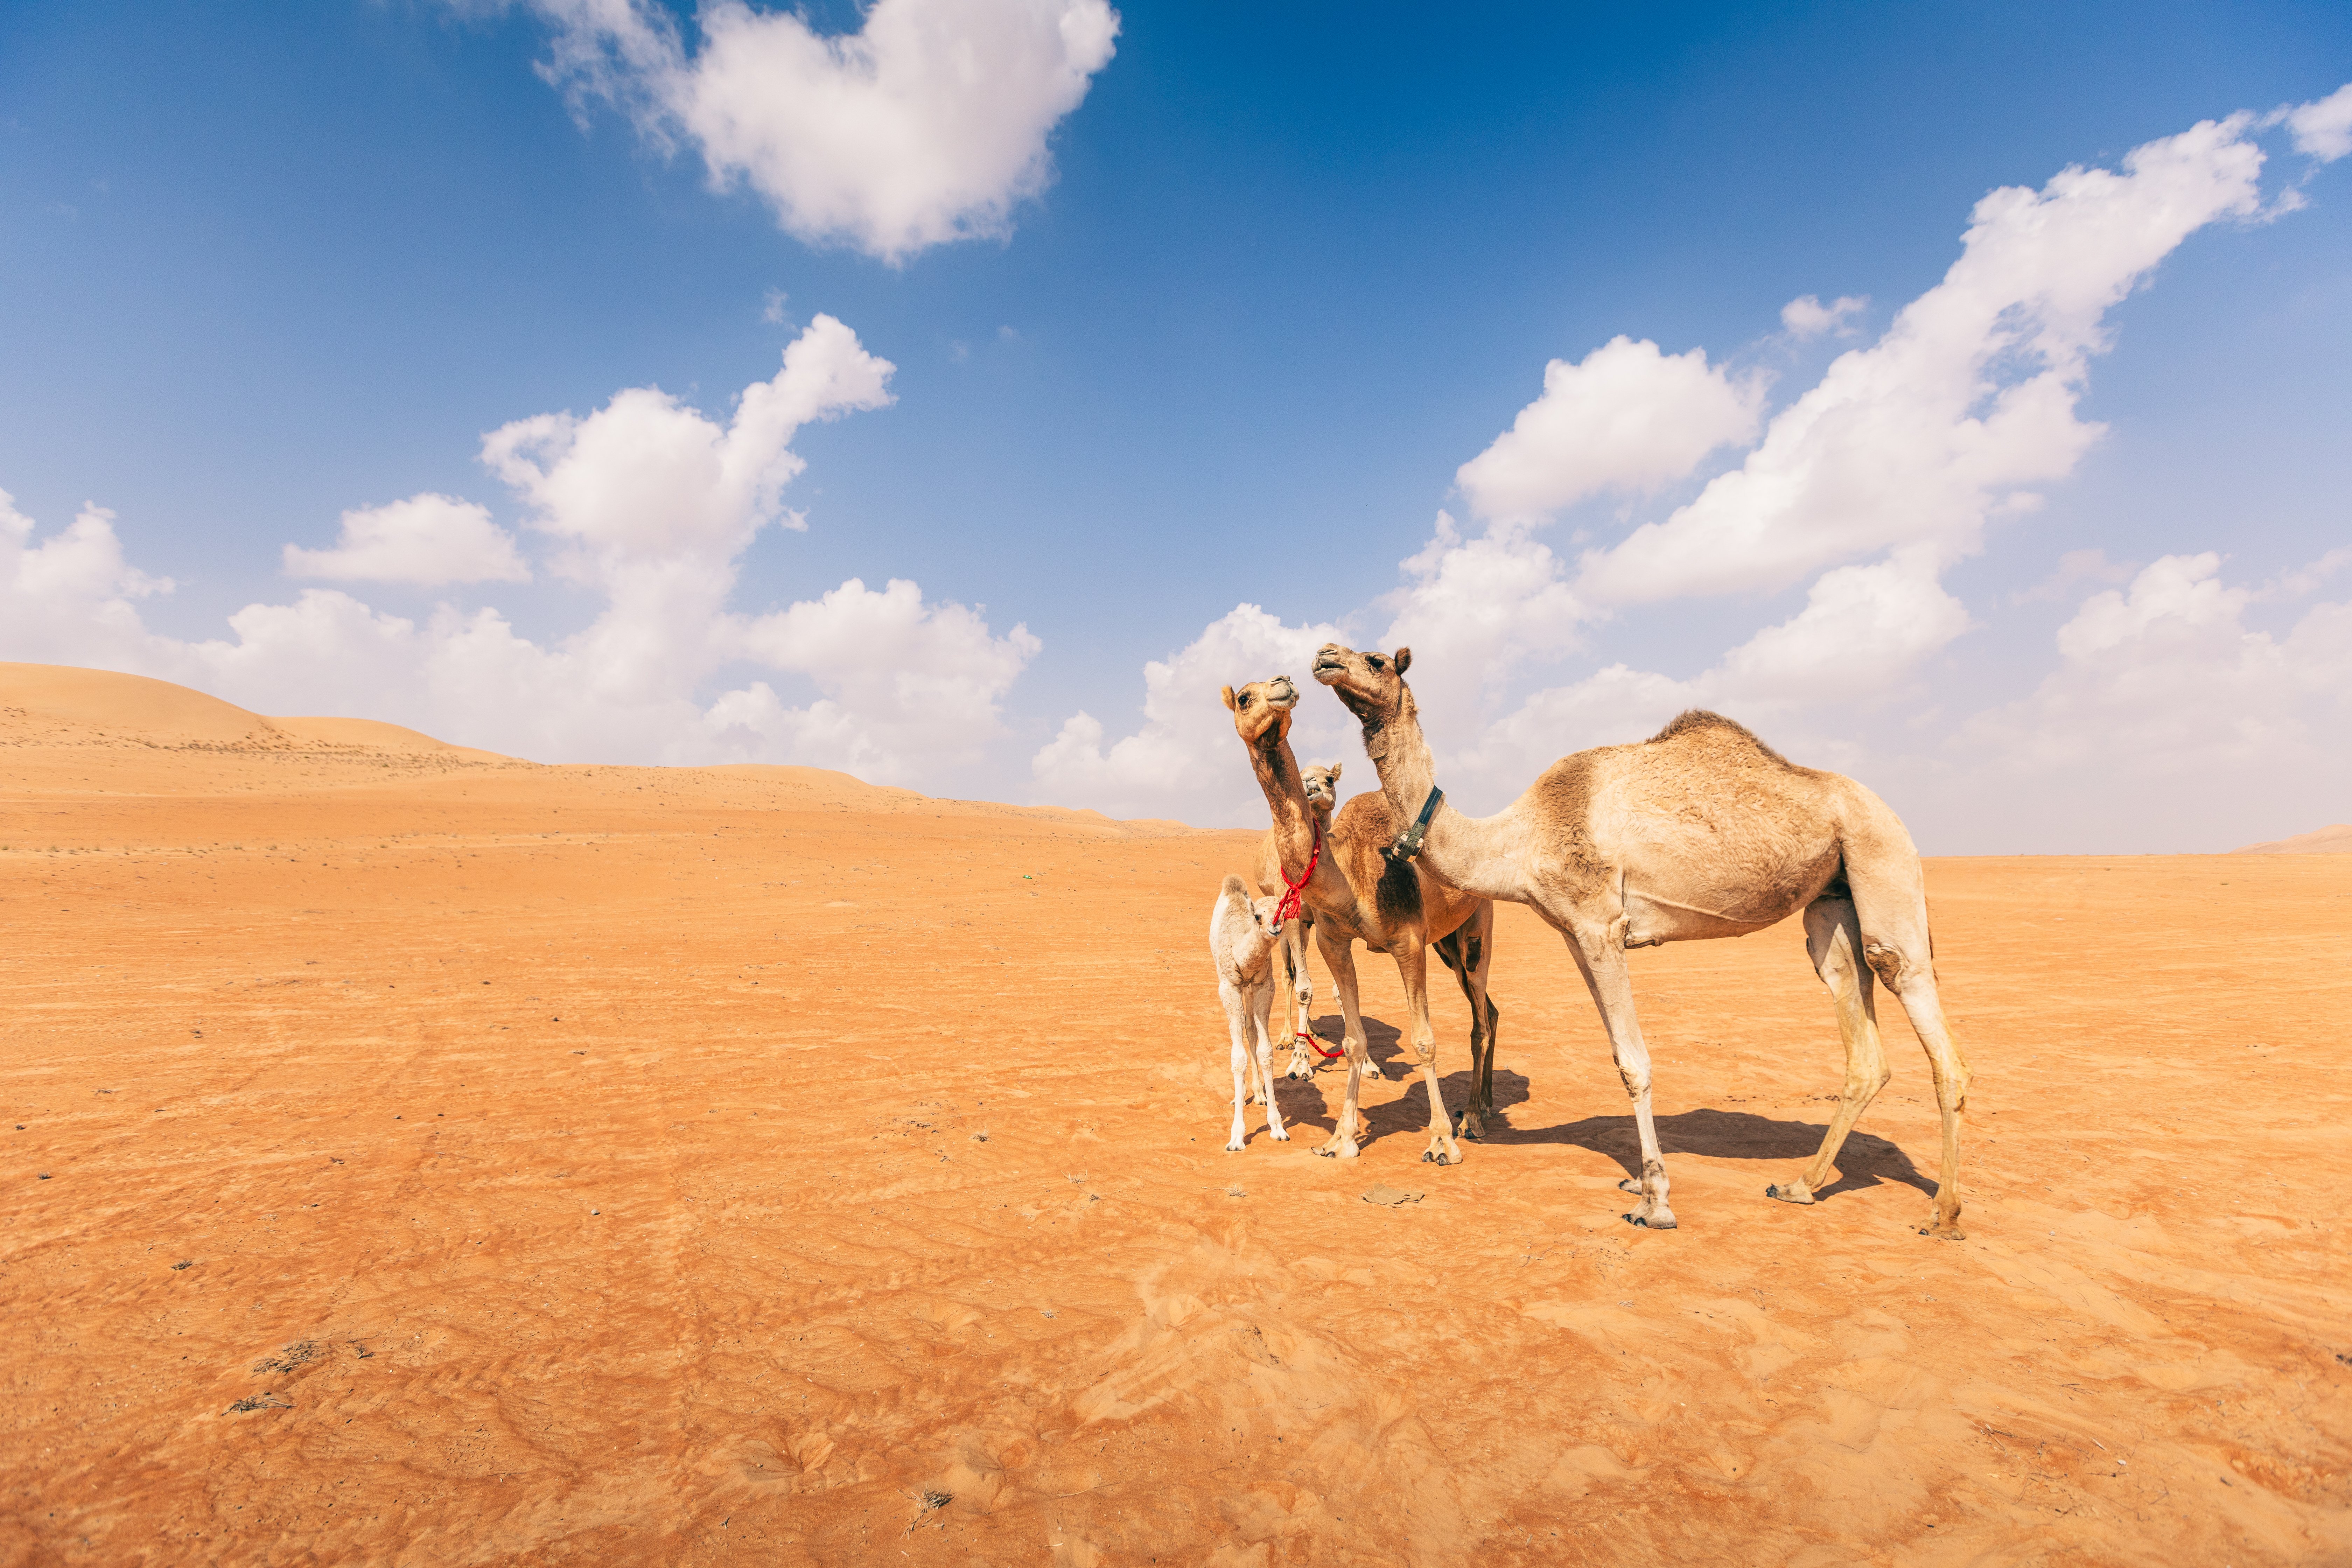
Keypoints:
pixel 1242 932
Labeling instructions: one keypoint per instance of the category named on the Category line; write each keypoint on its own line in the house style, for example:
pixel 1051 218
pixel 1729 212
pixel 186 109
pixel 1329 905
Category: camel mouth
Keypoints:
pixel 1281 694
pixel 1328 667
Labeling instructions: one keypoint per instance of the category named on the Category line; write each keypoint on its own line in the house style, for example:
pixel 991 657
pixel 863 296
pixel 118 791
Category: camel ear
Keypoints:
pixel 1403 657
pixel 1335 771
pixel 1229 699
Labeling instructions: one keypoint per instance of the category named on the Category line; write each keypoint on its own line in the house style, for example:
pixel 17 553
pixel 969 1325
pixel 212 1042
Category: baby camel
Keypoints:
pixel 1242 932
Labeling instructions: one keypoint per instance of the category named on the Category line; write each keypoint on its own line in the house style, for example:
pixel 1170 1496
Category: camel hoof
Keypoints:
pixel 1651 1222
pixel 1279 1136
pixel 1630 1184
pixel 1945 1232
pixel 1791 1194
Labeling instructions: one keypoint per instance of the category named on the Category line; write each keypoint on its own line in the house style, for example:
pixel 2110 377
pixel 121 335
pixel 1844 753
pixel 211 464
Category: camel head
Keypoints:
pixel 1322 785
pixel 1261 710
pixel 1370 684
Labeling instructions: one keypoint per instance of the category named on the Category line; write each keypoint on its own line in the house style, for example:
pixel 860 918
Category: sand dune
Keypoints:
pixel 419 1158
pixel 2332 840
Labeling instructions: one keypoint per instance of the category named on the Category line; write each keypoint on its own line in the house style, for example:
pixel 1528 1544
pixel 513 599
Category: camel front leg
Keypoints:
pixel 1603 964
pixel 1237 1025
pixel 1834 942
pixel 1303 1057
pixel 1261 1014
pixel 1412 964
pixel 1339 957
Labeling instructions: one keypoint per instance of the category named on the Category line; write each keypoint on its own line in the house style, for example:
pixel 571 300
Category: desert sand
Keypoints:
pixel 419 1156
pixel 2334 839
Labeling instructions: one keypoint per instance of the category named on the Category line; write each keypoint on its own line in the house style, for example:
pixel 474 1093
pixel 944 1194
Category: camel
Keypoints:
pixel 1323 793
pixel 1242 934
pixel 1322 786
pixel 1408 913
pixel 1700 831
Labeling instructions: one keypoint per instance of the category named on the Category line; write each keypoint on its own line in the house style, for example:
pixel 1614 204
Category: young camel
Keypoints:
pixel 1700 831
pixel 1242 934
pixel 1407 912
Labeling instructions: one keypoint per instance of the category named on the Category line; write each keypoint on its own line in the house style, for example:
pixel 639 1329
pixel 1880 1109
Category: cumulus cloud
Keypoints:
pixel 428 540
pixel 1185 761
pixel 650 503
pixel 2322 128
pixel 2166 677
pixel 1807 317
pixel 927 125
pixel 1626 417
pixel 1865 489
pixel 71 598
pixel 1919 439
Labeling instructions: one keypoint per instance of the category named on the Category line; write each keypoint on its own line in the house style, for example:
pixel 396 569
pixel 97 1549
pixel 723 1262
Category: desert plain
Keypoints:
pixel 416 1155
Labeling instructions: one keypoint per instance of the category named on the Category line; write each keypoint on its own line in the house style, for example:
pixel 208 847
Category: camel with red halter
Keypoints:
pixel 1308 1054
pixel 1400 911
pixel 1700 831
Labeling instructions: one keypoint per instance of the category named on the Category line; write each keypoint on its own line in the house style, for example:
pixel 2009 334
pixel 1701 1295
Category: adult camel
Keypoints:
pixel 1700 831
pixel 1359 895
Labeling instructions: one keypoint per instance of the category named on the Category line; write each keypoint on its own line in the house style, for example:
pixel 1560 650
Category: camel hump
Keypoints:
pixel 1698 721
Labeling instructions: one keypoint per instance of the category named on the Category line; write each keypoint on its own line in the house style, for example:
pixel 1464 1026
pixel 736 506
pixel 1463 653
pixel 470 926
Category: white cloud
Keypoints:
pixel 1626 417
pixel 428 540
pixel 2167 678
pixel 1807 317
pixel 2322 128
pixel 654 503
pixel 1185 761
pixel 927 125
pixel 1872 484
pixel 72 598
pixel 1919 439
pixel 900 678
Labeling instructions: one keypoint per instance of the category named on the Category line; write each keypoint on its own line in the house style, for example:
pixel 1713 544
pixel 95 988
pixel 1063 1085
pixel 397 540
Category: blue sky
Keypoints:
pixel 264 266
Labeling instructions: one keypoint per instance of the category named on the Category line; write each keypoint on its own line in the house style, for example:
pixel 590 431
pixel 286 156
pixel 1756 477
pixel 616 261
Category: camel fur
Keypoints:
pixel 1700 831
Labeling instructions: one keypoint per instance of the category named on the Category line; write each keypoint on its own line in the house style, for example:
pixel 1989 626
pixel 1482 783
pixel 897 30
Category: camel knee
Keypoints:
pixel 1424 1051
pixel 1887 964
pixel 1637 1080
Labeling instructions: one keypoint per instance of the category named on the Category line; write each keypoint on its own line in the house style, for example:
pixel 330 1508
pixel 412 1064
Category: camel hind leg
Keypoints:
pixel 1469 952
pixel 1834 942
pixel 1891 902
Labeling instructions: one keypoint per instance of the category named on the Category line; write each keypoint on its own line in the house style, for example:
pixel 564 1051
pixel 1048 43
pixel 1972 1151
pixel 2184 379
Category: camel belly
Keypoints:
pixel 1656 913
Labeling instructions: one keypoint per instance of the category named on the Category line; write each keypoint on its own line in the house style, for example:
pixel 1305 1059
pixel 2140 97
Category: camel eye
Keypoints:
pixel 1245 698
pixel 1375 662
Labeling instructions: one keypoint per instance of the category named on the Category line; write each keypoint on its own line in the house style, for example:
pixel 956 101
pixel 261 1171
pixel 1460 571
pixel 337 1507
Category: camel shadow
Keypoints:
pixel 1865 1161
pixel 1318 1101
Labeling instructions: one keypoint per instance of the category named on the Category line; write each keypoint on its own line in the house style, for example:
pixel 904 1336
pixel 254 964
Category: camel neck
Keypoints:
pixel 1453 849
pixel 1408 773
pixel 1286 799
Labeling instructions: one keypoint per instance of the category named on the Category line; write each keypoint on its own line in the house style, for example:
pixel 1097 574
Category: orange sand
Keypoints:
pixel 630 1165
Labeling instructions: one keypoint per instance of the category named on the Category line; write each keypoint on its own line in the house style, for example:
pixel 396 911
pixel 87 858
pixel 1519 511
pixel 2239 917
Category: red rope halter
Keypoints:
pixel 1292 896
